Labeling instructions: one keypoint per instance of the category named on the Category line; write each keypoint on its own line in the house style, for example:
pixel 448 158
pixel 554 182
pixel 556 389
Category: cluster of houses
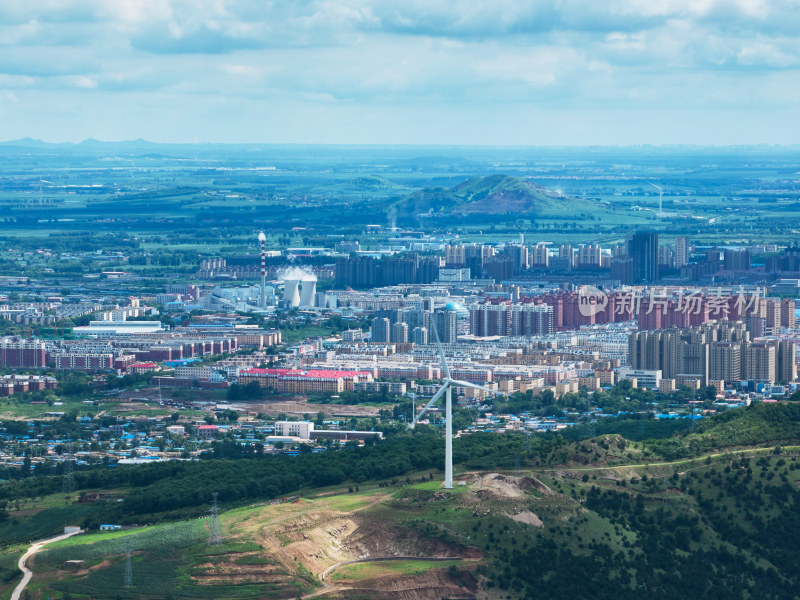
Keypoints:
pixel 148 439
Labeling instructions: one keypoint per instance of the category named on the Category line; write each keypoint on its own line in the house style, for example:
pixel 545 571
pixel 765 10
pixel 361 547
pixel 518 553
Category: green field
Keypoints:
pixel 177 210
pixel 371 570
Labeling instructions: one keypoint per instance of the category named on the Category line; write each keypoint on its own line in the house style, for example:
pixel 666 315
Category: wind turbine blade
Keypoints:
pixel 430 403
pixel 439 348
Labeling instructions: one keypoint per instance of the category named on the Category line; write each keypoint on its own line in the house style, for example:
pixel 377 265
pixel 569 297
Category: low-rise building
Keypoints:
pixel 303 382
pixel 300 429
pixel 207 431
pixel 650 379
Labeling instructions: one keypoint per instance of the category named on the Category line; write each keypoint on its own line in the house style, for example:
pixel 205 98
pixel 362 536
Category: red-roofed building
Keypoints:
pixel 303 382
pixel 145 367
pixel 207 431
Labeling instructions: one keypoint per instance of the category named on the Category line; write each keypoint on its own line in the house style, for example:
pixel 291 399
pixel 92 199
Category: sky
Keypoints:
pixel 473 72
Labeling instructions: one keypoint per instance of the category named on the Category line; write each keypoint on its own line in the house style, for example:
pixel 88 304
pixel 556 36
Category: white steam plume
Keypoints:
pixel 296 274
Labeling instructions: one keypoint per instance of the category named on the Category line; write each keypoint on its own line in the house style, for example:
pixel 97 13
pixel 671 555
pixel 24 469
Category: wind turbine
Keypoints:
pixel 41 194
pixel 660 194
pixel 447 391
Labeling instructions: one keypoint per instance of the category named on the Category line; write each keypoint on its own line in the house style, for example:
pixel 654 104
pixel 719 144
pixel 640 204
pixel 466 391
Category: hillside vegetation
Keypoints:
pixel 494 195
pixel 544 517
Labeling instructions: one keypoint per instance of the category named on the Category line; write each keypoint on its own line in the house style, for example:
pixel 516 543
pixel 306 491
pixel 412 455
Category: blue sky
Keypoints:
pixel 500 72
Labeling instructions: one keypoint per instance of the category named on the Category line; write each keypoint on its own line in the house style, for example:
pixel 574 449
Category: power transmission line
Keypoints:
pixel 69 477
pixel 127 580
pixel 214 529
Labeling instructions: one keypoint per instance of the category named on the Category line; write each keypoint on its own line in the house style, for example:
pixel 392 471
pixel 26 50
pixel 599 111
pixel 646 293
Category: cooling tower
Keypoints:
pixel 291 292
pixel 307 291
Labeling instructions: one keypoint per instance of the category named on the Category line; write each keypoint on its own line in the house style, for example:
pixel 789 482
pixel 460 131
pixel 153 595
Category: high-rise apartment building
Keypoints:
pixel 666 258
pixel 759 362
pixel 681 251
pixel 643 248
pixel 622 268
pixel 22 353
pixel 538 256
pixel 446 326
pixel 787 313
pixel 725 362
pixel 519 254
pixel 715 351
pixel 381 329
pixel 589 256
pixel 785 364
pixel 510 319
pixel 736 260
pixel 400 333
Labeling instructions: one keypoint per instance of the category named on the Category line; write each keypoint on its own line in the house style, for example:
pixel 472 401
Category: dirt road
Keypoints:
pixel 27 573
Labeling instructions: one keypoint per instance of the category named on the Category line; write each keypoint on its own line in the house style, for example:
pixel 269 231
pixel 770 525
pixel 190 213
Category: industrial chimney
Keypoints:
pixel 263 300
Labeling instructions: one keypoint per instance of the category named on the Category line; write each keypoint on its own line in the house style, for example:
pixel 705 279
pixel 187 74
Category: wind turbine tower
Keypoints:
pixel 41 193
pixel 447 391
pixel 660 198
pixel 262 302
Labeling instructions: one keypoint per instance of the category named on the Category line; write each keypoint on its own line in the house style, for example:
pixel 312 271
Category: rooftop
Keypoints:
pixel 313 373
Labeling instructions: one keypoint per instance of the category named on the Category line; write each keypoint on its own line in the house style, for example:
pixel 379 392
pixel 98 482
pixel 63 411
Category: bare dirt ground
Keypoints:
pixel 504 486
pixel 311 536
pixel 527 517
pixel 290 405
pixel 300 406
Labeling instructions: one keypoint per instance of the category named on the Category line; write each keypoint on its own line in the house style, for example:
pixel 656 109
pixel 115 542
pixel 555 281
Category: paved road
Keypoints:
pixel 27 573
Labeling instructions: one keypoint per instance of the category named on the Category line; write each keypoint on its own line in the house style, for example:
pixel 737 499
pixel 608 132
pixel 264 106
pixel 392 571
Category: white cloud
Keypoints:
pixel 81 81
pixel 246 70
pixel 765 54
pixel 364 60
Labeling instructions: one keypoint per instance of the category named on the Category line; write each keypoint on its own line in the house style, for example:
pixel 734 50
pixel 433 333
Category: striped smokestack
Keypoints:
pixel 263 239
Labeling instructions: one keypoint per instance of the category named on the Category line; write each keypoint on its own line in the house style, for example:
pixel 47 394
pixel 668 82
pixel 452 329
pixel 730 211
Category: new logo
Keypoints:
pixel 591 300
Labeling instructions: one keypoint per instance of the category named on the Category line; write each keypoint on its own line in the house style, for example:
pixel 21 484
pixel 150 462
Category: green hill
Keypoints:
pixel 715 515
pixel 493 195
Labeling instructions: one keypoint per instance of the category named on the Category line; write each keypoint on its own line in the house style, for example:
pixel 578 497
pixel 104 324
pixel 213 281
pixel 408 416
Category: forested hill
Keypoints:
pixel 493 195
